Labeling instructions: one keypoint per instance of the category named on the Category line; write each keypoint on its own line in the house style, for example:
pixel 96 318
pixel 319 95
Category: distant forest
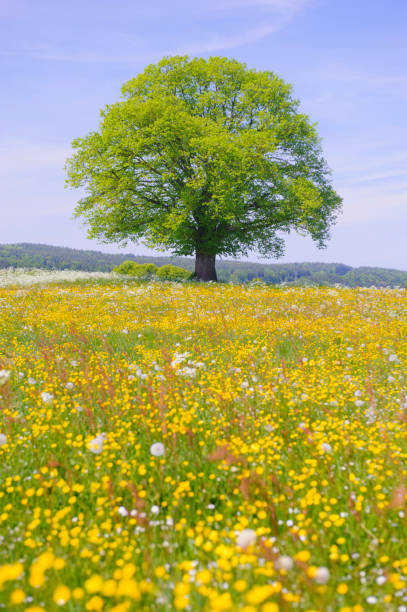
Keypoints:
pixel 48 257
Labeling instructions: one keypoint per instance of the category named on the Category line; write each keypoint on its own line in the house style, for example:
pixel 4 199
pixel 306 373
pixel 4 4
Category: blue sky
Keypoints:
pixel 62 61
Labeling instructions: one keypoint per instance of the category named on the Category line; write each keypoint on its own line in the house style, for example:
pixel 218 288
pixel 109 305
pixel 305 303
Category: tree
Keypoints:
pixel 204 157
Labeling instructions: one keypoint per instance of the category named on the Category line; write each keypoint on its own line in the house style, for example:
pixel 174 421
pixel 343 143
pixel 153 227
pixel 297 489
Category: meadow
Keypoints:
pixel 202 448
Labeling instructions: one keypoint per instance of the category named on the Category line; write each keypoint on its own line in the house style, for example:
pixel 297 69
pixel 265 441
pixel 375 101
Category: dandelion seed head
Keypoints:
pixel 157 449
pixel 321 575
pixel 245 538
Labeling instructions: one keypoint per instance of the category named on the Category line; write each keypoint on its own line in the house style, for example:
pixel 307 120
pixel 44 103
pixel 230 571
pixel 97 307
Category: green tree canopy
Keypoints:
pixel 204 157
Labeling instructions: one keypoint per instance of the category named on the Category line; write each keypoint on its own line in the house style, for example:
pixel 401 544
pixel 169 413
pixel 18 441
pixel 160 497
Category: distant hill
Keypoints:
pixel 26 255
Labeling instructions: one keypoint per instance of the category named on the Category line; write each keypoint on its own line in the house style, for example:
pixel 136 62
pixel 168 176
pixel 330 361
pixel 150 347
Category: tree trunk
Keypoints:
pixel 205 267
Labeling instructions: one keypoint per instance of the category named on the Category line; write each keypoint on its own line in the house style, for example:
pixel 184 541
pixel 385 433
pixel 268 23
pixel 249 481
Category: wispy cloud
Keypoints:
pixel 336 90
pixel 223 43
pixel 206 27
pixel 372 181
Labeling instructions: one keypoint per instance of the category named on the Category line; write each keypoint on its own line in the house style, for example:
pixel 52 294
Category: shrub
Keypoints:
pixel 148 270
pixel 173 273
pixel 127 267
pixel 132 268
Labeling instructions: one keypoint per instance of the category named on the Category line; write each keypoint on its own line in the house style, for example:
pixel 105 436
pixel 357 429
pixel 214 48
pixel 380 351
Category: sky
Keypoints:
pixel 62 61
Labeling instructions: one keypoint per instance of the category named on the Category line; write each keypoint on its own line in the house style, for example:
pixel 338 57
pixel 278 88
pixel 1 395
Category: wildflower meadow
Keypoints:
pixel 202 447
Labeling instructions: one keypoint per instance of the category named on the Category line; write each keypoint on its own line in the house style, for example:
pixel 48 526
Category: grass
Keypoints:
pixel 279 479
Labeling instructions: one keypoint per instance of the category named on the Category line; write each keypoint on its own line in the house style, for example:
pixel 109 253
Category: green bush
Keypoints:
pixel 148 270
pixel 131 268
pixel 173 273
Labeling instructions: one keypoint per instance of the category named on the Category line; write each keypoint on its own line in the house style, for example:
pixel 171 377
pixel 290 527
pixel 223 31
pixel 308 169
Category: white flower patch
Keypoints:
pixel 371 415
pixel 96 445
pixel 4 376
pixel 47 398
pixel 179 358
pixel 3 439
pixel 137 372
pixel 26 277
pixel 187 372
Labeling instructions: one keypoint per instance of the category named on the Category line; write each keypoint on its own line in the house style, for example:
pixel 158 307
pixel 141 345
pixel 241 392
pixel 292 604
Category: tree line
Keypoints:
pixel 26 255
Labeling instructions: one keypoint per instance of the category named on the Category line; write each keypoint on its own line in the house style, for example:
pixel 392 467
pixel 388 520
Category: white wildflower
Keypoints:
pixel 27 277
pixel 371 415
pixel 327 448
pixel 96 445
pixel 393 358
pixel 122 511
pixel 69 386
pixel 371 599
pixel 246 538
pixel 47 398
pixel 4 376
pixel 157 449
pixel 179 358
pixel 187 372
pixel 3 439
pixel 155 509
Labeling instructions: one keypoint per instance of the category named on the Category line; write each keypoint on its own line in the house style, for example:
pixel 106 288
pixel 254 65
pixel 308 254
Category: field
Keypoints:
pixel 202 448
